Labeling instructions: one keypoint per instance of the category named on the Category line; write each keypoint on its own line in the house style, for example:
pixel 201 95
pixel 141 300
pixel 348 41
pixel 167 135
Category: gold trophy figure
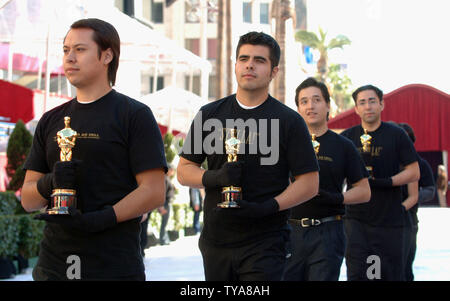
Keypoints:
pixel 366 141
pixel 231 194
pixel 62 199
pixel 315 143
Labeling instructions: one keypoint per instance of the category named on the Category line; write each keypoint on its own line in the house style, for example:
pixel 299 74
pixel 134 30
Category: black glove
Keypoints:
pixel 381 182
pixel 94 221
pixel 230 174
pixel 63 176
pixel 256 209
pixel 334 197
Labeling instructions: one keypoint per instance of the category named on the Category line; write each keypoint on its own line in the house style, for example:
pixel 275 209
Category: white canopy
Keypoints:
pixel 27 24
pixel 174 107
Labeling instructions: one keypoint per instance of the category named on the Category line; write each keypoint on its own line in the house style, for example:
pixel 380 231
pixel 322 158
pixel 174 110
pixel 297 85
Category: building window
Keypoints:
pixel 195 84
pixel 193 45
pixel 247 12
pixel 128 7
pixel 157 12
pixel 264 13
pixel 159 83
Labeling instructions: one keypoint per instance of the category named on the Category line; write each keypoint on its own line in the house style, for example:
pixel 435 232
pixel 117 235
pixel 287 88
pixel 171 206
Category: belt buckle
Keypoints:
pixel 314 222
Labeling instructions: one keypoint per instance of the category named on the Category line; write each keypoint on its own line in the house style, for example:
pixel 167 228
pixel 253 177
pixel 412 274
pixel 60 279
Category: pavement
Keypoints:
pixel 181 259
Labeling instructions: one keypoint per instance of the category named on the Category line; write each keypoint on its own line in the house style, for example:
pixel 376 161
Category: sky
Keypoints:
pixel 394 42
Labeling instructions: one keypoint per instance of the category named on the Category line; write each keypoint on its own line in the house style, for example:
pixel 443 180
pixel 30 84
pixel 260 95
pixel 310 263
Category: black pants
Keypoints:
pixel 363 241
pixel 262 260
pixel 316 252
pixel 410 250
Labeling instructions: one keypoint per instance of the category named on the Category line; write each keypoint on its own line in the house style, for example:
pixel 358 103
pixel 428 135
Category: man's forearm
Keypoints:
pixel 411 173
pixel 359 193
pixel 304 188
pixel 149 194
pixel 31 199
pixel 189 174
pixel 413 195
pixel 140 201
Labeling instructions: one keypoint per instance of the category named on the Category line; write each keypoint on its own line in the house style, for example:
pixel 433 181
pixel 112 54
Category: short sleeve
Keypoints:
pixel 193 144
pixel 146 148
pixel 36 159
pixel 407 152
pixel 300 153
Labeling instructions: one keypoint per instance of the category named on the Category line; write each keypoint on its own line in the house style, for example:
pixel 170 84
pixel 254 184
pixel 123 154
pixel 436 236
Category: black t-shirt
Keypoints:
pixel 276 142
pixel 391 148
pixel 338 160
pixel 118 138
pixel 426 179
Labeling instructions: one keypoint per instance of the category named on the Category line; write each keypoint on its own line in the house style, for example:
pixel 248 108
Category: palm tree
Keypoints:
pixel 310 39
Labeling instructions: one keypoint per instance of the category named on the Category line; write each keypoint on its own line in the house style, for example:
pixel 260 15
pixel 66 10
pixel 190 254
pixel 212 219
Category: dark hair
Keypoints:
pixel 368 87
pixel 312 82
pixel 105 36
pixel 261 38
pixel 408 129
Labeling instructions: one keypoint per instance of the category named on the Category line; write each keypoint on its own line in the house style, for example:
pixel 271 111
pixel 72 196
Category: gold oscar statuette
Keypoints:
pixel 315 143
pixel 231 194
pixel 62 199
pixel 366 141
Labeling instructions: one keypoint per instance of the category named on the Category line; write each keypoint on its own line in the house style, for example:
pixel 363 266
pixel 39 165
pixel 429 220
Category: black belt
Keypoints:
pixel 308 222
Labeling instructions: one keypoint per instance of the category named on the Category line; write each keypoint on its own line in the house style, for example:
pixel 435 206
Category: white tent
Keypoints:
pixel 174 107
pixel 36 28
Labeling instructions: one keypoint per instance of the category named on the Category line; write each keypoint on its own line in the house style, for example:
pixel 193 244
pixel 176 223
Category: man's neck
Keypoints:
pixel 318 130
pixel 371 127
pixel 91 94
pixel 252 98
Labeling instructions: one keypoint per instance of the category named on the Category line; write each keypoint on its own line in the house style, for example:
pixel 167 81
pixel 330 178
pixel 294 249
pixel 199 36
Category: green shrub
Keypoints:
pixel 9 236
pixel 20 233
pixel 8 203
pixel 19 145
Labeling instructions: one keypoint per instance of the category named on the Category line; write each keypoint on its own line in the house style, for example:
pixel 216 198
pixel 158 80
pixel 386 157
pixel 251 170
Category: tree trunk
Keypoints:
pixel 281 12
pixel 228 42
pixel 220 84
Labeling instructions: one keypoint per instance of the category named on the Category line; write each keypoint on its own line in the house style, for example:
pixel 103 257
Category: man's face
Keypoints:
pixel 368 106
pixel 253 68
pixel 82 66
pixel 312 106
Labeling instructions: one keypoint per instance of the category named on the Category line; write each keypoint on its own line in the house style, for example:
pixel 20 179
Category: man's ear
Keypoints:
pixel 275 71
pixel 107 56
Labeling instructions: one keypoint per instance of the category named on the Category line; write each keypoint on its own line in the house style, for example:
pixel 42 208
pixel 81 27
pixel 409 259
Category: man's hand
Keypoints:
pixel 230 174
pixel 95 221
pixel 63 176
pixel 256 209
pixel 380 182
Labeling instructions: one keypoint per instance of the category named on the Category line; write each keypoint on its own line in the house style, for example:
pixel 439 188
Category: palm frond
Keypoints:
pixel 338 42
pixel 307 38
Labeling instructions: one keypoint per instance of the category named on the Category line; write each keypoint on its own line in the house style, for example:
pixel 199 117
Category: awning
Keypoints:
pixel 16 102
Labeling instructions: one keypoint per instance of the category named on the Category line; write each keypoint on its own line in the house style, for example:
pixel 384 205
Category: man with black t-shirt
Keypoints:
pixel 375 230
pixel 249 242
pixel 427 190
pixel 117 167
pixel 317 237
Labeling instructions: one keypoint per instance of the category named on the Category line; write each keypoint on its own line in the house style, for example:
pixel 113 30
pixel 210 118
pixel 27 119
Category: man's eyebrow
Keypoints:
pixel 260 58
pixel 257 57
pixel 76 45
